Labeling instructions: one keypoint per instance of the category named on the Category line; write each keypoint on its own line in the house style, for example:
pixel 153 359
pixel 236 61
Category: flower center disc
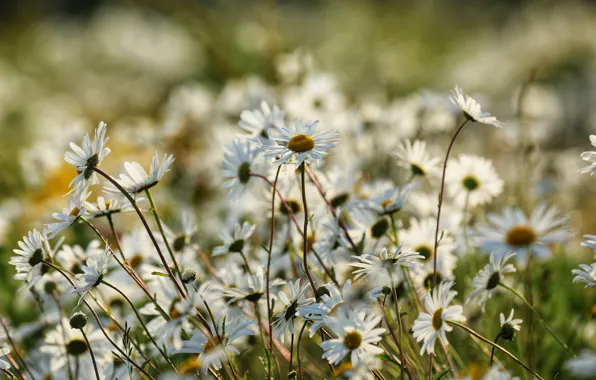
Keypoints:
pixel 244 172
pixel 36 257
pixel 76 347
pixel 493 281
pixel 520 236
pixel 470 183
pixel 352 340
pixel 438 319
pixel 301 143
pixel 425 251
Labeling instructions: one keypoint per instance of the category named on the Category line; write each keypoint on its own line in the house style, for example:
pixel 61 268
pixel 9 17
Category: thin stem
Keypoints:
pixel 305 229
pixel 542 321
pixel 400 326
pixel 298 349
pixel 134 309
pixel 147 228
pixel 116 239
pixel 474 333
pixel 16 352
pixel 61 314
pixel 292 353
pixel 268 280
pixel 91 353
pixel 245 260
pixel 492 351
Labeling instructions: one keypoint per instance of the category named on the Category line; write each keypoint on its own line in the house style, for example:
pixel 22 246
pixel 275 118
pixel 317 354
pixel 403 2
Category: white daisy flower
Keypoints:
pixel 433 324
pixel 68 216
pixel 93 273
pixel 379 265
pixel 300 143
pixel 509 326
pixel 260 123
pixel 585 273
pixel 87 157
pixel 241 160
pixel 415 158
pixel 590 241
pixel 182 241
pixel 249 287
pixel 589 157
pixel 389 201
pixel 71 257
pixel 216 348
pixel 234 242
pixel 471 108
pixel 513 231
pixel 3 352
pixel 136 180
pixel 356 334
pixel 29 256
pixel 486 281
pixel 331 301
pixel 582 366
pixel 473 178
pixel 107 207
pixel 284 320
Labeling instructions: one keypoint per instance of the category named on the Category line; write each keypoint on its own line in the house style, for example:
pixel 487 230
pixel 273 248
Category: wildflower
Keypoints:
pixel 584 365
pixel 590 241
pixel 415 158
pixel 87 157
pixel 93 273
pixel 300 144
pixel 513 231
pixel 108 207
pixel 389 201
pixel 432 324
pixel 4 365
pixel 234 243
pixel 260 123
pixel 589 157
pixel 473 179
pixel 487 280
pixel 284 320
pixel 585 273
pixel 136 180
pixel 331 301
pixel 471 109
pixel 68 216
pixel 384 262
pixel 509 326
pixel 356 334
pixel 240 162
pixel 29 256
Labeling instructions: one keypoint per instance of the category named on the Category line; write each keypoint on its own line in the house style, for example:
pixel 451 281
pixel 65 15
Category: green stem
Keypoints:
pixel 305 233
pixel 542 321
pixel 91 353
pixel 399 322
pixel 474 333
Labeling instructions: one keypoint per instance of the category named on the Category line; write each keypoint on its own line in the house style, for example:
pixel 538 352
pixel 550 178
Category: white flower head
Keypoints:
pixel 284 320
pixel 236 241
pixel 584 365
pixel 29 256
pixel 93 273
pixel 136 180
pixel 241 160
pixel 486 281
pixel 86 157
pixel 471 108
pixel 472 178
pixel 300 143
pixel 509 326
pixel 586 274
pixel 415 158
pixel 389 201
pixel 385 262
pixel 107 207
pixel 76 208
pixel 3 352
pixel 259 123
pixel 589 157
pixel 590 241
pixel 432 324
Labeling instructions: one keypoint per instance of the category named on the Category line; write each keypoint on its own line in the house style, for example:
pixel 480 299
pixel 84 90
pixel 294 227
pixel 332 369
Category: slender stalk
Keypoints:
pixel 485 340
pixel 292 353
pixel 10 375
pixel 492 351
pixel 116 239
pixel 92 354
pixel 61 314
pixel 298 349
pixel 15 350
pixel 134 309
pixel 400 326
pixel 542 321
pixel 305 229
pixel 268 280
pixel 147 228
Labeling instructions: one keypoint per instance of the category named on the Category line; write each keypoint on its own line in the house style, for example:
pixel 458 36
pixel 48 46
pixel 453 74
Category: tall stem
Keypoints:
pixel 400 326
pixel 485 340
pixel 305 229
pixel 492 351
pixel 116 239
pixel 268 280
pixel 92 354
pixel 542 321
pixel 15 350
pixel 147 228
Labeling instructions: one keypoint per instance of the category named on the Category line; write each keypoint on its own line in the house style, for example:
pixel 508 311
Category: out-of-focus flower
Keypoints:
pixel 472 179
pixel 136 180
pixel 487 280
pixel 590 157
pixel 471 108
pixel 586 274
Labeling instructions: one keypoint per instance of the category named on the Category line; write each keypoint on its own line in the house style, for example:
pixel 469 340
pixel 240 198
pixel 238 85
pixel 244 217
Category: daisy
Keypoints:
pixel 585 273
pixel 240 162
pixel 356 334
pixel 87 157
pixel 384 262
pixel 389 201
pixel 260 123
pixel 108 207
pixel 509 326
pixel 250 287
pixel 487 280
pixel 472 179
pixel 234 242
pixel 68 216
pixel 3 352
pixel 590 241
pixel 331 300
pixel 182 240
pixel 513 231
pixel 284 320
pixel 93 273
pixel 471 109
pixel 300 143
pixel 589 157
pixel 72 256
pixel 433 324
pixel 29 256
pixel 584 365
pixel 415 158
pixel 219 345
pixel 136 180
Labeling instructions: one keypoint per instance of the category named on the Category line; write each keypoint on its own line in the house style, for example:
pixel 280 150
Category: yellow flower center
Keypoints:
pixel 301 143
pixel 74 212
pixel 521 235
pixel 352 340
pixel 438 319
pixel 136 261
pixel 342 368
pixel 425 251
pixel 386 203
pixel 191 365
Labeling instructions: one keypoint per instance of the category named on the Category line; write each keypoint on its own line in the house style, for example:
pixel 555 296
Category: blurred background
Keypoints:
pixel 174 76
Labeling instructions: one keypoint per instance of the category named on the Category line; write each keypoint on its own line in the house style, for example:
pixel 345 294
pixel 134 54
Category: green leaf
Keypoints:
pixel 442 374
pixel 159 274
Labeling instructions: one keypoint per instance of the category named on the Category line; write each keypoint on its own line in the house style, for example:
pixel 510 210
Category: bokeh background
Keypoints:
pixel 174 76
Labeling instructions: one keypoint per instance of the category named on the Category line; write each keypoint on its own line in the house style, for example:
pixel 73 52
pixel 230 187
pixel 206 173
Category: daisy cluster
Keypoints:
pixel 325 267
